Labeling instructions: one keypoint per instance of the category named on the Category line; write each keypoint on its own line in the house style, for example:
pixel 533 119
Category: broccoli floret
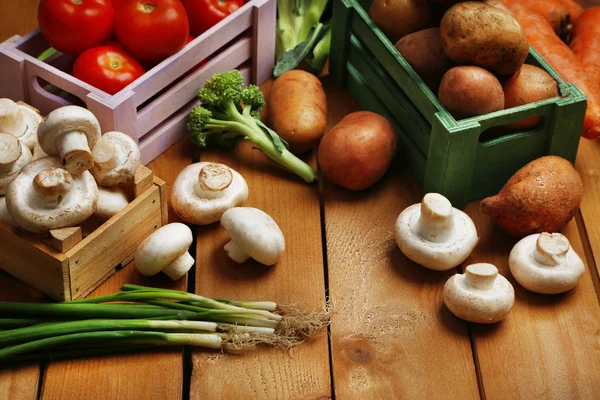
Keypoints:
pixel 230 110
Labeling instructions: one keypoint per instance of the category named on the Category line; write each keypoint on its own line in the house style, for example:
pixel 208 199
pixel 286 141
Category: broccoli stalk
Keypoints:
pixel 230 110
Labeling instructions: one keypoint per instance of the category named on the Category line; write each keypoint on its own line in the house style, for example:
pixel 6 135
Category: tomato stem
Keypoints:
pixel 77 2
pixel 148 7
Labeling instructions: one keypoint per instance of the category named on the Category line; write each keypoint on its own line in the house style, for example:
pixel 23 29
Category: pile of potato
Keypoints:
pixel 470 53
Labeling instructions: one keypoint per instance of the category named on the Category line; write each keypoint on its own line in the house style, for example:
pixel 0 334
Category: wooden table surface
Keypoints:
pixel 390 334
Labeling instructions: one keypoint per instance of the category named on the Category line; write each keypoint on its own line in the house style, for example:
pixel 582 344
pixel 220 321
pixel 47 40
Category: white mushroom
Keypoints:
pixel 20 120
pixel 434 234
pixel 45 196
pixel 479 295
pixel 254 234
pixel 69 133
pixel 203 191
pixel 110 202
pixel 546 263
pixel 5 215
pixel 116 159
pixel 166 250
pixel 14 155
pixel 38 152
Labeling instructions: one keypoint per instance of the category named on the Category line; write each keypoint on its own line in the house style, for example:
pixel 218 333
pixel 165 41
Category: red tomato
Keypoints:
pixel 152 31
pixel 107 68
pixel 189 39
pixel 204 14
pixel 73 26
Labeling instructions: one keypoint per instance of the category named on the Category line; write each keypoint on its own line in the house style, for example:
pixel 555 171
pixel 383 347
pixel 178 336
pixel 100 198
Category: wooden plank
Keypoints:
pixel 389 325
pixel 20 382
pixel 297 278
pixel 64 239
pixel 548 346
pixel 154 375
pixel 588 166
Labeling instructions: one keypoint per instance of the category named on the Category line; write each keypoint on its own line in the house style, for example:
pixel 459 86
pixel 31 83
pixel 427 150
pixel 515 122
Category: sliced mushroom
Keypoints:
pixel 166 250
pixel 546 263
pixel 46 196
pixel 479 295
pixel 69 132
pixel 5 215
pixel 20 120
pixel 434 234
pixel 254 234
pixel 203 191
pixel 14 155
pixel 116 159
pixel 110 202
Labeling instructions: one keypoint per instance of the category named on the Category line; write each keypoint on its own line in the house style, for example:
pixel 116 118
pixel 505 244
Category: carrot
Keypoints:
pixel 575 9
pixel 585 42
pixel 541 36
pixel 555 12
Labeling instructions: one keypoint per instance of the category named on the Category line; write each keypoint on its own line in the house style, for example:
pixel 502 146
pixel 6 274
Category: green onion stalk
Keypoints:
pixel 141 318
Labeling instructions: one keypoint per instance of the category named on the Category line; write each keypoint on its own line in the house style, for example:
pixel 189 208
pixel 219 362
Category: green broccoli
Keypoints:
pixel 230 110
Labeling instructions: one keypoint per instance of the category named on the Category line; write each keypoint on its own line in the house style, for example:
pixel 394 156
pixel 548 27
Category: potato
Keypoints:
pixel 531 85
pixel 499 4
pixel 478 34
pixel 467 91
pixel 357 151
pixel 423 51
pixel 398 18
pixel 298 109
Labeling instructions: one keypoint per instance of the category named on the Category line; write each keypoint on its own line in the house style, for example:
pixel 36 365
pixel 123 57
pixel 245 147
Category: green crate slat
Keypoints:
pixel 446 155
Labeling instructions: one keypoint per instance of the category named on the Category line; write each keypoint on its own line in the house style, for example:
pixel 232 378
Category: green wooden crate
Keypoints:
pixel 446 156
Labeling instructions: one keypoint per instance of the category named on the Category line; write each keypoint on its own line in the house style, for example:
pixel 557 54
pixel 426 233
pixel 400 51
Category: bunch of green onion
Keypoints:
pixel 140 318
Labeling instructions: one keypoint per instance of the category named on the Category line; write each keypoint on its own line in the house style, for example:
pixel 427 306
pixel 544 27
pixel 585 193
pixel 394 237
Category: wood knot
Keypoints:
pixel 359 350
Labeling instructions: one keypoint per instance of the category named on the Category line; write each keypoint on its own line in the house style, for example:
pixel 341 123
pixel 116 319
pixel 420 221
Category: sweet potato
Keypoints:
pixel 544 40
pixel 543 196
pixel 298 109
pixel 585 42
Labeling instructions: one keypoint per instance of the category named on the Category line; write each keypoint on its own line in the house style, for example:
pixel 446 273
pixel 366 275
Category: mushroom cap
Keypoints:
pixel 546 279
pixel 33 119
pixel 127 164
pixel 31 214
pixel 255 232
pixel 110 202
pixel 202 211
pixel 64 120
pixel 9 172
pixel 162 247
pixel 438 256
pixel 11 118
pixel 484 306
pixel 5 215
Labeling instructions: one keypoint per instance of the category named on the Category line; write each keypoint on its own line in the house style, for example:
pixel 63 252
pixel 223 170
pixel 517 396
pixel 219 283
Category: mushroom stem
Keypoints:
pixel 75 152
pixel 481 276
pixel 436 220
pixel 179 266
pixel 10 149
pixel 52 184
pixel 213 179
pixel 235 252
pixel 551 249
pixel 105 154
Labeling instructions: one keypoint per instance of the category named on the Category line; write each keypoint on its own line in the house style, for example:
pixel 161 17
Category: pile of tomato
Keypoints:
pixel 115 41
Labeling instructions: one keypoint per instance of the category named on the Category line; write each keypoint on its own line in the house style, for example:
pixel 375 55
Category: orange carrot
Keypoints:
pixel 554 11
pixel 585 42
pixel 575 9
pixel 541 36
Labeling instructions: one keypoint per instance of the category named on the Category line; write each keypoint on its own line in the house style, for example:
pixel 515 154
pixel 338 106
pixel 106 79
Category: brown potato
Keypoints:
pixel 298 109
pixel 475 33
pixel 531 85
pixel 398 18
pixel 499 4
pixel 467 91
pixel 424 52
pixel 357 151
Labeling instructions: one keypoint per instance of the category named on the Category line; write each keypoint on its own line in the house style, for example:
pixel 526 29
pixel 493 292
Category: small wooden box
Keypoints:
pixel 83 264
pixel 153 110
pixel 455 158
